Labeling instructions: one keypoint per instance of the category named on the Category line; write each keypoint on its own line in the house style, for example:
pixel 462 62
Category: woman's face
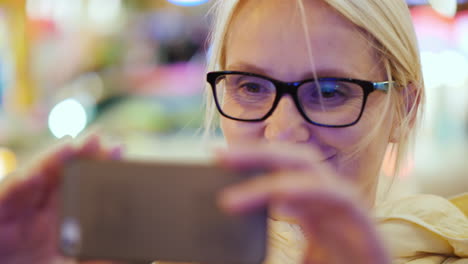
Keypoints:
pixel 267 37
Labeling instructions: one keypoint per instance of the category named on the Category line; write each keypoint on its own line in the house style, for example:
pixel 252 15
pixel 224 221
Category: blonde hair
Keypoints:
pixel 388 27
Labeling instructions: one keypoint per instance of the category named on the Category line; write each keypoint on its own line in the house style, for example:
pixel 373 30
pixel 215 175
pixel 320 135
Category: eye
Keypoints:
pixel 330 89
pixel 324 91
pixel 329 94
pixel 251 87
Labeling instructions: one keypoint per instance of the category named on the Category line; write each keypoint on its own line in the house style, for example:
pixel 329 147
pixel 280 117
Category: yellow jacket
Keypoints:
pixel 426 229
pixel 421 229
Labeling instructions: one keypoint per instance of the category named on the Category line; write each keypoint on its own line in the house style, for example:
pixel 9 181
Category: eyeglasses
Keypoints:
pixel 326 102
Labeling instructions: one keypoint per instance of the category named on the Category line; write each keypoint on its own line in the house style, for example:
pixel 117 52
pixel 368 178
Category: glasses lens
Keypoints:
pixel 331 102
pixel 245 97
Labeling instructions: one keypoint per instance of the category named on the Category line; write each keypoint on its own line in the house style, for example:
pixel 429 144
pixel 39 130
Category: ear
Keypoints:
pixel 411 98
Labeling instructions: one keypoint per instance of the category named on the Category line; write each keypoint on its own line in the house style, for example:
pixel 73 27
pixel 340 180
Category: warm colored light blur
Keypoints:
pixel 7 162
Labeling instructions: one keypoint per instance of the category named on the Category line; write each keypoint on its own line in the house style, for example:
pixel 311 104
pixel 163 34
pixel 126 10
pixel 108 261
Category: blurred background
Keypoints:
pixel 134 72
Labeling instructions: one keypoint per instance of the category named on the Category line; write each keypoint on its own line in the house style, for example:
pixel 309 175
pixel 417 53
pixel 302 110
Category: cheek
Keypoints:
pixel 360 159
pixel 373 129
pixel 235 131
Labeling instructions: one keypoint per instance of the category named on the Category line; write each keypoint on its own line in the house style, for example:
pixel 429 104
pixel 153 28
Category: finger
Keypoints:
pixel 23 196
pixel 270 156
pixel 50 168
pixel 91 147
pixel 116 153
pixel 8 183
pixel 30 192
pixel 259 191
pixel 345 243
pixel 280 192
pixel 315 252
pixel 324 211
pixel 28 195
pixel 344 230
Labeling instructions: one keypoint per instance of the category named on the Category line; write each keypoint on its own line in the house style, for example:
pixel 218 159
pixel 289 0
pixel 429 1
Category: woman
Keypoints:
pixel 314 91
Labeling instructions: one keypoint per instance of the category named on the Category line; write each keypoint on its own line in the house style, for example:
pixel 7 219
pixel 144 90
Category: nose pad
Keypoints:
pixel 286 123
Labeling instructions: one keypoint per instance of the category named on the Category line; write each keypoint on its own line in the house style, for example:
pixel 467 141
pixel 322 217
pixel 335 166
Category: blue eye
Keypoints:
pixel 328 93
pixel 328 89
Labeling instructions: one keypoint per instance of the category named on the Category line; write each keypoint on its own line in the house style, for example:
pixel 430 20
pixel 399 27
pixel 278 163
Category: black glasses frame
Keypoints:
pixel 291 88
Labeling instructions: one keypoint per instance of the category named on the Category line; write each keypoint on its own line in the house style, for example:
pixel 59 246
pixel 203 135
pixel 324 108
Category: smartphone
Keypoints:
pixel 143 212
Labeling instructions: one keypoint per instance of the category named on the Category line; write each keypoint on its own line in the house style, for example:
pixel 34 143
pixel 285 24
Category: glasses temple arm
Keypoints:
pixel 383 86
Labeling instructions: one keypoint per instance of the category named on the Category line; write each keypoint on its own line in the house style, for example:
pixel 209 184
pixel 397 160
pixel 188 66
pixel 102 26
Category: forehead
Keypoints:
pixel 269 36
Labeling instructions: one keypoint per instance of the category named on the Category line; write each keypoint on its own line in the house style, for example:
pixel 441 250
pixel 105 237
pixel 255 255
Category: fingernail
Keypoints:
pixel 231 198
pixel 116 153
pixel 66 153
pixel 90 144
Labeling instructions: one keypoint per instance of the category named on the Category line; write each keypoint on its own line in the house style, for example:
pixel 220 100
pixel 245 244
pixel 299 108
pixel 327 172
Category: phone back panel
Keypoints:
pixel 137 211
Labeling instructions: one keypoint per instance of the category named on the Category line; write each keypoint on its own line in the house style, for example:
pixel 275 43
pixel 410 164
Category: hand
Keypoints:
pixel 302 186
pixel 28 206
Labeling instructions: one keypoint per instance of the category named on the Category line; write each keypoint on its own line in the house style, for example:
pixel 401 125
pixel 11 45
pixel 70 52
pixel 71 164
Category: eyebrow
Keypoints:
pixel 325 72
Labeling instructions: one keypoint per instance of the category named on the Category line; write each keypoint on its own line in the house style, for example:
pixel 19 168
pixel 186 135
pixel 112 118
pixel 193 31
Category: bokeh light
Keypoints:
pixel 448 67
pixel 67 118
pixel 188 2
pixel 7 162
pixel 445 7
pixel 104 14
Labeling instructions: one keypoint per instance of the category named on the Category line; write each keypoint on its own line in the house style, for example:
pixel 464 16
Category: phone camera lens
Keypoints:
pixel 70 237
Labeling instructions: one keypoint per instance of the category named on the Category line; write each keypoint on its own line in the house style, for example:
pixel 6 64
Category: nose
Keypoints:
pixel 286 123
